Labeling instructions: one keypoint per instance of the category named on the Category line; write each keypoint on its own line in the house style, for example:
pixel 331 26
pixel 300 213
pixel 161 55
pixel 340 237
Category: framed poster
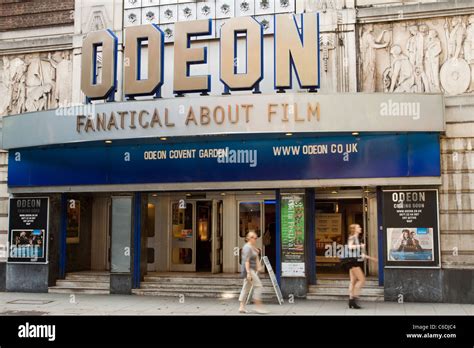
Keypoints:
pixel 292 235
pixel 328 232
pixel 73 226
pixel 411 226
pixel 28 230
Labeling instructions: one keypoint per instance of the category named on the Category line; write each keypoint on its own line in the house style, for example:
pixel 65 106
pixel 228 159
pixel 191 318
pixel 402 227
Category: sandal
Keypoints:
pixel 243 311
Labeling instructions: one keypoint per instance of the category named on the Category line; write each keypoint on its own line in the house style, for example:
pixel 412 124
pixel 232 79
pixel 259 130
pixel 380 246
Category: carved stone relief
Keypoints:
pixel 428 56
pixel 35 82
pixel 95 17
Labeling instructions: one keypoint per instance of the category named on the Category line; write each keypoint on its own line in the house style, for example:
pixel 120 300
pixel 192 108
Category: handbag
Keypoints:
pixel 347 260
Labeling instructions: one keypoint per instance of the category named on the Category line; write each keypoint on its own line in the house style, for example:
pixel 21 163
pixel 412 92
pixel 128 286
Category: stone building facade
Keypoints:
pixel 366 46
pixel 35 70
pixel 428 48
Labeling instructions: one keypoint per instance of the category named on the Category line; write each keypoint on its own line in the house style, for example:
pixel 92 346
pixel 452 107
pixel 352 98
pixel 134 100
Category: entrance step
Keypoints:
pixel 337 289
pixel 77 290
pixel 97 283
pixel 223 286
pixel 210 281
pixel 345 282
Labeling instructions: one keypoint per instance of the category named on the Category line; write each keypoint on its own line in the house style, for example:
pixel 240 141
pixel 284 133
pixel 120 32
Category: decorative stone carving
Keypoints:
pixel 455 36
pixel 432 60
pixel 415 50
pixel 187 12
pixel 35 82
pixel 323 5
pixel 400 77
pixel 368 45
pixel 224 8
pixel 63 64
pixel 437 53
pixel 206 10
pixel 97 21
pixel 455 76
pixel 326 43
pixel 469 49
pixel 244 8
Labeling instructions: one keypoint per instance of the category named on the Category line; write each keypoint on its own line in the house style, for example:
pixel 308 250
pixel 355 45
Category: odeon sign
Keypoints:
pixel 294 49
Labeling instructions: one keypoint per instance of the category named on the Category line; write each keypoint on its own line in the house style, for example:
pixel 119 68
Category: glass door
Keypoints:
pixel 250 220
pixel 183 243
pixel 217 233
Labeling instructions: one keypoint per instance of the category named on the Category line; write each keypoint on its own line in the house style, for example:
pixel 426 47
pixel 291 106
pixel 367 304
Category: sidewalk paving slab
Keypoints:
pixel 119 305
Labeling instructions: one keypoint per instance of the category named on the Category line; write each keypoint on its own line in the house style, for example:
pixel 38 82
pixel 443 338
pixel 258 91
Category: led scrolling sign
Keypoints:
pixel 294 49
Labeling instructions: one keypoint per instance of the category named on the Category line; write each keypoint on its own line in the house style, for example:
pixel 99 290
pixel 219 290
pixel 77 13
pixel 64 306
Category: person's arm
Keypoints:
pixel 365 256
pixel 247 268
pixel 380 38
pixel 246 260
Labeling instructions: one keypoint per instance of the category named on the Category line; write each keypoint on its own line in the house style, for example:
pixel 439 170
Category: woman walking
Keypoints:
pixel 250 268
pixel 354 264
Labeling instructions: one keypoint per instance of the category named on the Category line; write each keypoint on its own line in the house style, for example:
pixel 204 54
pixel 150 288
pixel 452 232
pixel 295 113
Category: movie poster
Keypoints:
pixel 410 244
pixel 410 218
pixel 28 230
pixel 292 236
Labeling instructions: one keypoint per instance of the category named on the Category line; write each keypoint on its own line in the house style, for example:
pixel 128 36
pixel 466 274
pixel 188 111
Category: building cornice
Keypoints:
pixel 36 44
pixel 414 12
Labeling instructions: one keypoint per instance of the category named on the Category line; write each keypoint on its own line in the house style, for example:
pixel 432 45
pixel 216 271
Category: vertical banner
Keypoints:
pixel 411 227
pixel 28 230
pixel 292 235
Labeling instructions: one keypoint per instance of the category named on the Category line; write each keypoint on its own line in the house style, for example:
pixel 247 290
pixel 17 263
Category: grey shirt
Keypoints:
pixel 251 255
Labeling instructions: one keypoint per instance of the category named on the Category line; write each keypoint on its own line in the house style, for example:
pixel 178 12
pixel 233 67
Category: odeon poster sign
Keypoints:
pixel 294 48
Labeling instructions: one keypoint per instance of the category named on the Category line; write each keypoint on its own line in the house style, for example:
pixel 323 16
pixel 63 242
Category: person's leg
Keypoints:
pixel 353 288
pixel 359 274
pixel 257 291
pixel 244 294
pixel 352 282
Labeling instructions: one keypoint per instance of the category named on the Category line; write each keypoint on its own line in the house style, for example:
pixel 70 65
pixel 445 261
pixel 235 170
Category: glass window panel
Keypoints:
pixel 150 220
pixel 249 218
pixel 182 256
pixel 121 233
pixel 182 221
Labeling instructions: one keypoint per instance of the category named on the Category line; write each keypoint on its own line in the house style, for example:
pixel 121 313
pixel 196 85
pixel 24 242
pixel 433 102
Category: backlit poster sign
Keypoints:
pixel 292 235
pixel 28 230
pixel 410 219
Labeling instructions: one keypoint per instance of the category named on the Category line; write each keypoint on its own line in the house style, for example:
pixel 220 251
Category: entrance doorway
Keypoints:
pixel 335 210
pixel 333 218
pixel 259 216
pixel 196 236
pixel 203 236
pixel 88 233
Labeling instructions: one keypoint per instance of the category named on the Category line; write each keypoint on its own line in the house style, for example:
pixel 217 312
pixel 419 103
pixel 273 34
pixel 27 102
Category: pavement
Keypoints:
pixel 29 304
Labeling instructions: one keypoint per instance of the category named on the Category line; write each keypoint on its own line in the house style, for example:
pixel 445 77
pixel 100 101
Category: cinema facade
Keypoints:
pixel 177 147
